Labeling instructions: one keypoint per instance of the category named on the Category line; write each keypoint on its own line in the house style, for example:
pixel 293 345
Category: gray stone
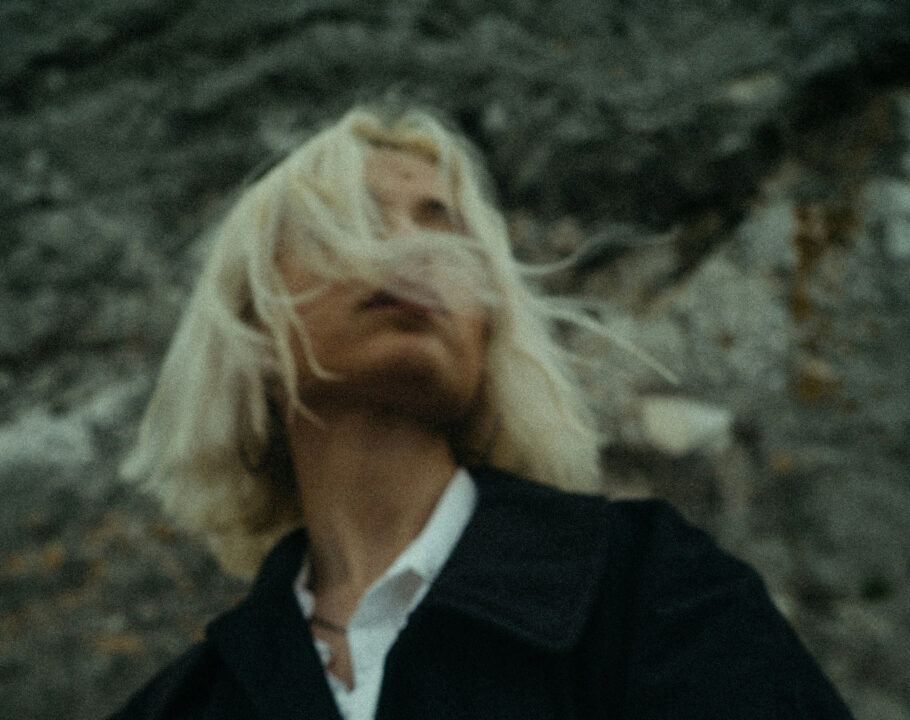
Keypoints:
pixel 679 426
pixel 737 326
pixel 889 202
pixel 39 437
pixel 764 243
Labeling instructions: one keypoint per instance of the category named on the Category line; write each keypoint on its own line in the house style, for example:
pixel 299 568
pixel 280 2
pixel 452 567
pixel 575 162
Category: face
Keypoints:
pixel 393 354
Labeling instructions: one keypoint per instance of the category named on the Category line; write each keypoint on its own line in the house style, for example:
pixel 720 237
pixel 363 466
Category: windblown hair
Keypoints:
pixel 212 443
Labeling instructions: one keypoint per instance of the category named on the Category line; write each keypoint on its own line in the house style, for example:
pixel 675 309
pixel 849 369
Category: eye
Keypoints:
pixel 434 214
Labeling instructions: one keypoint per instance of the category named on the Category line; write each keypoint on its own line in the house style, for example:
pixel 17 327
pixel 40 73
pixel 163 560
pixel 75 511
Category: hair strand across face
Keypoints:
pixel 211 444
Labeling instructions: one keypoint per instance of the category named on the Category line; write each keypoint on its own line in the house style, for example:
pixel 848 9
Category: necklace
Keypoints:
pixel 325 624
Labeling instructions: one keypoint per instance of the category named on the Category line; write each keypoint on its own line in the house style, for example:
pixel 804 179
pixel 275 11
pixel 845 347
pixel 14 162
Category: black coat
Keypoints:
pixel 551 606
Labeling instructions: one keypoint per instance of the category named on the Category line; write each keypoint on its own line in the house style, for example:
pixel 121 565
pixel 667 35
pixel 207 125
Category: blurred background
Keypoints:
pixel 734 175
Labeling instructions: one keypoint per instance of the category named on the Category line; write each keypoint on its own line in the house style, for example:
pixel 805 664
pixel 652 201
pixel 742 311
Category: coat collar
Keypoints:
pixel 527 564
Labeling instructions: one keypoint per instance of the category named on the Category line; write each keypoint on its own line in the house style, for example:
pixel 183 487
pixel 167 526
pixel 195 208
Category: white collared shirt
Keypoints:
pixel 384 608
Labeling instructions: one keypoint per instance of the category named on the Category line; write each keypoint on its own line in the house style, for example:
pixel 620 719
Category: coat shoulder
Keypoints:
pixel 699 629
pixel 669 624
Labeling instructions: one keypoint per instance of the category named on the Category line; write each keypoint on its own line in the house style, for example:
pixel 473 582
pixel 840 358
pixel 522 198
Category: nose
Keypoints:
pixel 398 222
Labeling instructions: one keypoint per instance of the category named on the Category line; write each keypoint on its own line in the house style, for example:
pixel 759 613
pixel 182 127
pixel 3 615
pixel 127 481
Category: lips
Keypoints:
pixel 381 299
pixel 387 299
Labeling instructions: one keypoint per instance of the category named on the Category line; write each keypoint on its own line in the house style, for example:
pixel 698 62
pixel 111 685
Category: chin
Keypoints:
pixel 424 375
pixel 427 399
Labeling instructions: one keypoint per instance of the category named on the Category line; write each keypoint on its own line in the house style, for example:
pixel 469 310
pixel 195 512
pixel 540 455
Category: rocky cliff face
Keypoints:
pixel 734 175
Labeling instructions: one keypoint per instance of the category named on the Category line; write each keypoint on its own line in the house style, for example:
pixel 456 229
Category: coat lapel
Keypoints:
pixel 266 643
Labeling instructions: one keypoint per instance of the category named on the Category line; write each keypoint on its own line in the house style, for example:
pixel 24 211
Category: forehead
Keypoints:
pixel 401 171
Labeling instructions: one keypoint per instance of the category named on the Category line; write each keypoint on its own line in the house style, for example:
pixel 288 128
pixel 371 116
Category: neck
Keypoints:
pixel 368 483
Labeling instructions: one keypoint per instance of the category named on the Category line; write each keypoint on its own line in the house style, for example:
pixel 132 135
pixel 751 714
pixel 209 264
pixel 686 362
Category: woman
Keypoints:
pixel 360 385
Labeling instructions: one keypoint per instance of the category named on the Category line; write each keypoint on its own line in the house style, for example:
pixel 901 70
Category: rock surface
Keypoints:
pixel 735 177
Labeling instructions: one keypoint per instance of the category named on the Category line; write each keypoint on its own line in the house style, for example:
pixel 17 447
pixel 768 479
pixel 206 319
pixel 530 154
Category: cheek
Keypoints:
pixel 321 344
pixel 475 357
pixel 329 317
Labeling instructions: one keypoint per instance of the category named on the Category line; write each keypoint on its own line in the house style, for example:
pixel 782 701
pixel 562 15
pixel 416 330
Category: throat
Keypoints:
pixel 366 487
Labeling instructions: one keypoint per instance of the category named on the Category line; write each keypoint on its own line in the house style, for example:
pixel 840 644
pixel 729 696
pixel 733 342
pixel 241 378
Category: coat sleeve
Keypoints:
pixel 182 690
pixel 701 637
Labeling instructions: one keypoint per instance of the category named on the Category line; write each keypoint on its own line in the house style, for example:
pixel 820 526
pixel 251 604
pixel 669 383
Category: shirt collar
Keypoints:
pixel 429 551
pixel 425 555
pixel 514 568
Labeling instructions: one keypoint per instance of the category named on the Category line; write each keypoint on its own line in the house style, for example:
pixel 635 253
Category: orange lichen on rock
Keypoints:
pixel 117 643
pixel 816 382
pixel 782 463
pixel 821 226
pixel 13 564
pixel 52 556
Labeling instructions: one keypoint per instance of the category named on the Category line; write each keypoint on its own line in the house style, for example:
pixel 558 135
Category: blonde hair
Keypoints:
pixel 212 414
